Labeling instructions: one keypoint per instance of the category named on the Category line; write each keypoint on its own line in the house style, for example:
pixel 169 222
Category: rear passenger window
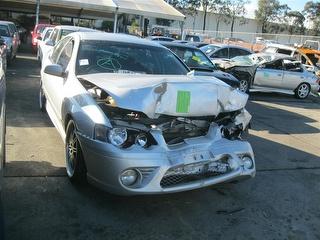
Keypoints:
pixel 222 53
pixel 284 51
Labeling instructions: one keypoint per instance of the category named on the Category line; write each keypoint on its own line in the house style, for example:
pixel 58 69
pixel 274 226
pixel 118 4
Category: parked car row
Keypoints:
pixel 135 120
pixel 294 69
pixel 10 41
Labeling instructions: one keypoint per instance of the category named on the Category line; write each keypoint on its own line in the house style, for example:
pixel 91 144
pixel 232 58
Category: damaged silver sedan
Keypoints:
pixel 134 121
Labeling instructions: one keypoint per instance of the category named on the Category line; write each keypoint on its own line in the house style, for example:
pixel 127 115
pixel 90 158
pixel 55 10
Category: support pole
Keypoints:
pixel 115 21
pixel 37 12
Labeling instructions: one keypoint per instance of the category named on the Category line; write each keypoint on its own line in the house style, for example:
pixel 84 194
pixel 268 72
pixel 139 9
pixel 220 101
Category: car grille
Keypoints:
pixel 194 172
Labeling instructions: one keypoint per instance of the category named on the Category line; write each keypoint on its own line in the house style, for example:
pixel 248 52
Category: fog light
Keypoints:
pixel 129 177
pixel 142 140
pixel 247 162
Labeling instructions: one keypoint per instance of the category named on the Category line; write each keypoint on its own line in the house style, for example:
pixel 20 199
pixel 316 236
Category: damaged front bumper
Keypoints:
pixel 197 162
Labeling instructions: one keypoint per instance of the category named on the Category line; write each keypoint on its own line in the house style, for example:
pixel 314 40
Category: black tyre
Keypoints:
pixel 75 164
pixel 42 100
pixel 302 91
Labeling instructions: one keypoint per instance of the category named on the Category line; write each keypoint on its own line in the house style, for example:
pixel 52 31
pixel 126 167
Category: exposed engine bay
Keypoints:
pixel 174 129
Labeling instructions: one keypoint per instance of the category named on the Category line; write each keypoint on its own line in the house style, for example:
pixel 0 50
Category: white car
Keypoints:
pixel 134 121
pixel 42 47
pixel 58 33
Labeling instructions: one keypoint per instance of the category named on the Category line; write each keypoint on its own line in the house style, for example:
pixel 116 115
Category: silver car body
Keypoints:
pixel 281 76
pixel 274 72
pixel 71 97
pixel 12 39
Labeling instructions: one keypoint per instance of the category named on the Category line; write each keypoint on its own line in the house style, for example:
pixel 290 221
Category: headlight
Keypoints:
pixel 141 140
pixel 117 136
pixel 247 162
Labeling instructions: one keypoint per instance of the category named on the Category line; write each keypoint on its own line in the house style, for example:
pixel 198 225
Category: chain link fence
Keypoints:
pixel 253 41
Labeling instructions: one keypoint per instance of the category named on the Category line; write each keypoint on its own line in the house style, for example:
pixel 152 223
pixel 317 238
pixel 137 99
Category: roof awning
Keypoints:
pixel 149 8
pixel 92 5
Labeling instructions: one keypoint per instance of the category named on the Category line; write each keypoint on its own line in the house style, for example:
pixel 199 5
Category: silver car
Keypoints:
pixel 134 121
pixel 10 34
pixel 275 72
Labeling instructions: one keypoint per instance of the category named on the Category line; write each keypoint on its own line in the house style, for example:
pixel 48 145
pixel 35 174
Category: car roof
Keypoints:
pixel 282 46
pixel 115 37
pixel 177 44
pixel 76 28
pixel 276 56
pixel 6 22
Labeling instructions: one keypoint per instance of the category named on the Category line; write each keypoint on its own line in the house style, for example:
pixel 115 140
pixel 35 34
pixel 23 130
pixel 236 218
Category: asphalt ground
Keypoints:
pixel 281 202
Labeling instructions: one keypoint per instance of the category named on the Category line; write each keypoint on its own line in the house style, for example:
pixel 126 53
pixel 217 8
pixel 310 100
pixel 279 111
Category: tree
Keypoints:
pixel 295 21
pixel 312 12
pixel 236 9
pixel 220 8
pixel 270 11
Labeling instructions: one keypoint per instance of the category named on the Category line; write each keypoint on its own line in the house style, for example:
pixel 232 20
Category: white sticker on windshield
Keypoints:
pixel 83 62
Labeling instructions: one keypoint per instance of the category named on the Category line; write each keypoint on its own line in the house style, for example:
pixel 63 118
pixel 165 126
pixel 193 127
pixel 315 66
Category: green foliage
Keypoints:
pixel 295 22
pixel 270 11
pixel 312 12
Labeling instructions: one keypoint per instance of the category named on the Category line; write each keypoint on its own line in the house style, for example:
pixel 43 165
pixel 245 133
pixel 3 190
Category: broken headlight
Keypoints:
pixel 123 137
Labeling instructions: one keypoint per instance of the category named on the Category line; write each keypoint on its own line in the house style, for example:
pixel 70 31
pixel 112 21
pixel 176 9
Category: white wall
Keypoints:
pixel 196 23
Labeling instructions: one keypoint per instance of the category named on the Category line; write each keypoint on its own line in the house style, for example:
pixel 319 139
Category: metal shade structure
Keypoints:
pixel 149 8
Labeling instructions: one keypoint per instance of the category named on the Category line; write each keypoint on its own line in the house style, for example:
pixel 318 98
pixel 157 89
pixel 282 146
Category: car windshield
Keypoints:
pixel 193 58
pixel 4 31
pixel 208 49
pixel 98 56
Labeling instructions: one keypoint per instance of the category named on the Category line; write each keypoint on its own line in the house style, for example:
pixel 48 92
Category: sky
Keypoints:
pixel 293 4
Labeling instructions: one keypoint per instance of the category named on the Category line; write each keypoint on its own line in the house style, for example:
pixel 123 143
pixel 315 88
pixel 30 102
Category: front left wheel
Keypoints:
pixel 302 91
pixel 75 164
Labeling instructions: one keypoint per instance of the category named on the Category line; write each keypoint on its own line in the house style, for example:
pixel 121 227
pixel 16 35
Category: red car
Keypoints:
pixel 38 29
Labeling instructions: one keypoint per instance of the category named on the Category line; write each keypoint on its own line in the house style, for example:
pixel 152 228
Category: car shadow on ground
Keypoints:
pixel 279 121
pixel 23 94
pixel 51 200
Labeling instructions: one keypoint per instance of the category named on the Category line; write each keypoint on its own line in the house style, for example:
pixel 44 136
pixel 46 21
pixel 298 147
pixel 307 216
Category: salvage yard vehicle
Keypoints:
pixel 274 72
pixel 10 34
pixel 217 52
pixel 58 33
pixel 134 121
pixel 3 54
pixel 37 31
pixel 197 61
pixel 41 41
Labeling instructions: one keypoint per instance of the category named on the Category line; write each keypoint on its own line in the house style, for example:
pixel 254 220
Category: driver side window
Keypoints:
pixel 65 55
pixel 57 50
pixel 276 65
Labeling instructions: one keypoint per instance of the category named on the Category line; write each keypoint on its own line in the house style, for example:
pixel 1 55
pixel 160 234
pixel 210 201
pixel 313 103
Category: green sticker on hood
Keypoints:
pixel 183 101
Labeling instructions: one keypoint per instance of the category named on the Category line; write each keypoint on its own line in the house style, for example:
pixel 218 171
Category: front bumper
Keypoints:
pixel 105 163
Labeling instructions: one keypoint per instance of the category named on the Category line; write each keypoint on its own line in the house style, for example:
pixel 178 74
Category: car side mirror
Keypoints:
pixel 55 70
pixel 49 42
pixel 39 38
pixel 2 42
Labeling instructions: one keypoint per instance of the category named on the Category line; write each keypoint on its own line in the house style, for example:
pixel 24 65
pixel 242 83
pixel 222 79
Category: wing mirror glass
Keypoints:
pixel 55 70
pixel 39 38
